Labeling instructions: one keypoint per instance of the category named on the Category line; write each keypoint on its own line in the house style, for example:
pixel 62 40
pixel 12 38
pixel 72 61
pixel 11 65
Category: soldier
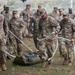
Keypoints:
pixel 7 14
pixel 60 15
pixel 70 12
pixel 27 14
pixel 46 27
pixel 55 13
pixel 35 22
pixel 16 25
pixel 40 9
pixel 68 28
pixel 60 34
pixel 3 32
pixel 7 17
pixel 3 12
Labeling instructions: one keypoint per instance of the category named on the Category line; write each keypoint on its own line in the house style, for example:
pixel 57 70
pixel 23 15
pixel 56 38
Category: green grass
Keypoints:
pixel 56 67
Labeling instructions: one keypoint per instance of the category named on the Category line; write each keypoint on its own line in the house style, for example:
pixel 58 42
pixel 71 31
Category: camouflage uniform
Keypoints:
pixel 46 47
pixel 7 17
pixel 68 28
pixel 16 26
pixel 26 14
pixel 60 17
pixel 35 21
pixel 3 32
pixel 55 14
pixel 71 14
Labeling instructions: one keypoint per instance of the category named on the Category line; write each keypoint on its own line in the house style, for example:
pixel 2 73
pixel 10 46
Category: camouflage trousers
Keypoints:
pixel 2 49
pixel 28 30
pixel 15 44
pixel 46 49
pixel 66 50
pixel 35 36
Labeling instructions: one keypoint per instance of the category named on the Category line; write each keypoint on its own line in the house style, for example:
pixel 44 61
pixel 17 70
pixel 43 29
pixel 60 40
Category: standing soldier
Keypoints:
pixel 55 13
pixel 71 14
pixel 60 17
pixel 60 34
pixel 27 14
pixel 7 14
pixel 7 17
pixel 46 27
pixel 40 9
pixel 4 8
pixel 16 26
pixel 35 22
pixel 3 32
pixel 68 28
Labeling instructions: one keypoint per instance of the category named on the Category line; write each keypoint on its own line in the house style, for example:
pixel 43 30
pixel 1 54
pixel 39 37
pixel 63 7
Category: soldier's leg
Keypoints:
pixel 50 50
pixel 43 53
pixel 12 46
pixel 2 55
pixel 70 53
pixel 64 52
pixel 60 48
pixel 35 39
pixel 19 47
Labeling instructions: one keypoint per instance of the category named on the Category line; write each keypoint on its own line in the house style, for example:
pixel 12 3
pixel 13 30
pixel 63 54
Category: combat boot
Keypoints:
pixel 49 64
pixel 3 67
pixel 70 64
pixel 44 64
pixel 65 62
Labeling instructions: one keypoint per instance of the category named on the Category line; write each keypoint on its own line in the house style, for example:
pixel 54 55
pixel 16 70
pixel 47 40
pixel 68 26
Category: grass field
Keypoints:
pixel 56 67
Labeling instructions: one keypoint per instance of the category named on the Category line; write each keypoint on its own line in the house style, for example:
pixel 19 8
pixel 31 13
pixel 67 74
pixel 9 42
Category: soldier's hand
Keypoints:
pixel 72 39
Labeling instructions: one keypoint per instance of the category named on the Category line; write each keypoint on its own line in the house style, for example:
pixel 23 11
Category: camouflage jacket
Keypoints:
pixel 16 26
pixel 35 22
pixel 48 25
pixel 3 26
pixel 26 14
pixel 54 15
pixel 68 28
pixel 7 16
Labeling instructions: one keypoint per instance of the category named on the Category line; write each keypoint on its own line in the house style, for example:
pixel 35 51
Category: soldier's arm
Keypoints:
pixel 55 24
pixel 73 26
pixel 21 14
pixel 22 25
pixel 5 26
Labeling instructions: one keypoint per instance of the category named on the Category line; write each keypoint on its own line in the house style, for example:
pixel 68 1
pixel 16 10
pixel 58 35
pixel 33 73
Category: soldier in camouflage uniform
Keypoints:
pixel 3 32
pixel 40 9
pixel 7 14
pixel 26 14
pixel 3 12
pixel 7 17
pixel 46 47
pixel 55 14
pixel 68 28
pixel 71 14
pixel 60 34
pixel 16 25
pixel 35 22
